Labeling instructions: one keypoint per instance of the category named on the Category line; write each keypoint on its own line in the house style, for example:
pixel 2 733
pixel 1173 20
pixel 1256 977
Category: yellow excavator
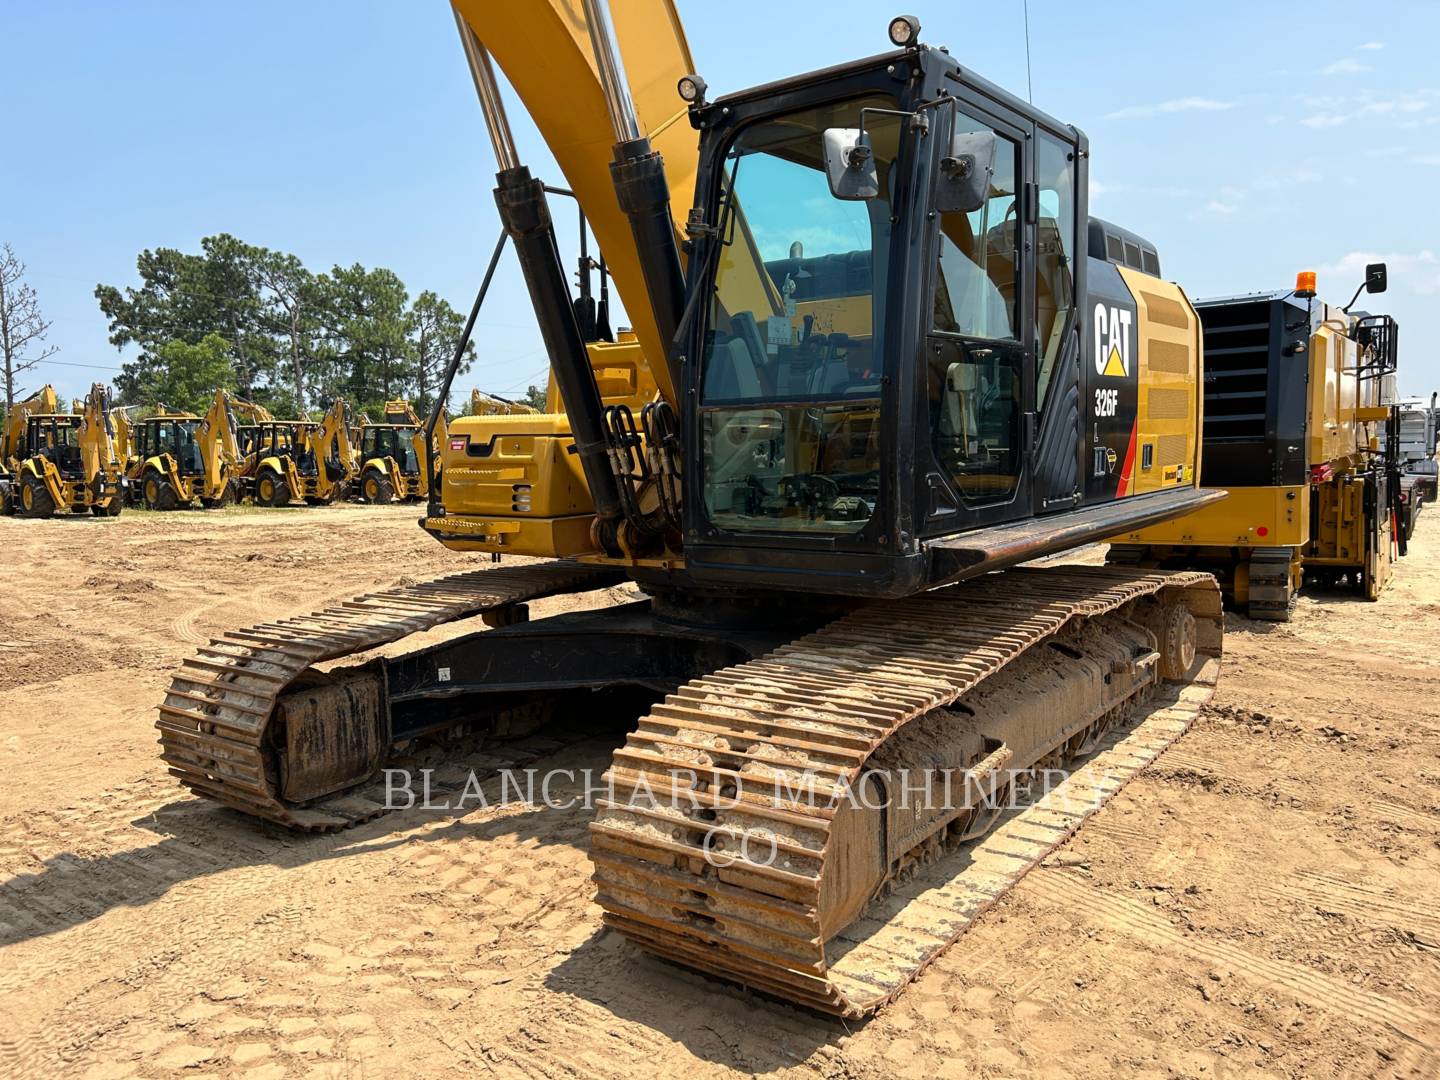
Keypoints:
pixel 392 456
pixel 179 459
pixel 882 356
pixel 299 460
pixel 64 461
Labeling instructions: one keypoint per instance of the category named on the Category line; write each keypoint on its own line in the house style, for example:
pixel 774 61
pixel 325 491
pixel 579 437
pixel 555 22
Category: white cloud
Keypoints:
pixel 1345 66
pixel 1225 203
pixel 1419 273
pixel 1332 110
pixel 1373 45
pixel 1160 108
pixel 1287 180
pixel 1426 159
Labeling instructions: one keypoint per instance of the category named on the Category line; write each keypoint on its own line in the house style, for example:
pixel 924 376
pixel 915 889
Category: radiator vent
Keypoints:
pixel 1168 356
pixel 1172 449
pixel 1168 404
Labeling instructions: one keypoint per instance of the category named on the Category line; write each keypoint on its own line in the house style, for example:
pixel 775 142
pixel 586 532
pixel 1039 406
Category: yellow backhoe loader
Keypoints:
pixel 893 358
pixel 179 459
pixel 300 460
pixel 392 456
pixel 13 442
pixel 65 461
pixel 123 419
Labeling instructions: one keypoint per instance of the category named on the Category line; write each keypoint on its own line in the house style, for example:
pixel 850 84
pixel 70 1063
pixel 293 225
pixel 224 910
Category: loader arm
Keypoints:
pixel 98 455
pixel 12 438
pixel 332 442
pixel 219 449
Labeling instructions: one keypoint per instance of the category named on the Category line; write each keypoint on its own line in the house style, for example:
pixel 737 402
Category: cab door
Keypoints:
pixel 979 346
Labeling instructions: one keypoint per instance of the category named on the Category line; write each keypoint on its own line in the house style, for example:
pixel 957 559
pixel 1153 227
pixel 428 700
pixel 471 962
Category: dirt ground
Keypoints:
pixel 1262 901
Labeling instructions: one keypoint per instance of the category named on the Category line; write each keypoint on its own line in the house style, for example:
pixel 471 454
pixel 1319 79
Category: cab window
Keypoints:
pixel 975 350
pixel 1054 253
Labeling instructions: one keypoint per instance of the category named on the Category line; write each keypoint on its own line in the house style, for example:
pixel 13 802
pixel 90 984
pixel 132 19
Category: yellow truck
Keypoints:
pixel 1294 430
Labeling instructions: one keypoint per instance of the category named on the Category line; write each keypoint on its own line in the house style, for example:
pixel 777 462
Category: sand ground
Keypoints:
pixel 1263 901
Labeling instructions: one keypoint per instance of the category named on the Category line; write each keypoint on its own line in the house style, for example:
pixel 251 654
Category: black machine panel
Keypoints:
pixel 1256 371
pixel 1111 376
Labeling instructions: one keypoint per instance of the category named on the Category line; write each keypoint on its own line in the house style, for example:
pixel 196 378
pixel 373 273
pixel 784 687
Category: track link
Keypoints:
pixel 216 720
pixel 1271 592
pixel 811 714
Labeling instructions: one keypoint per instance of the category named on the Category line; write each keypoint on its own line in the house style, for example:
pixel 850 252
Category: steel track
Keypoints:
pixel 672 873
pixel 219 712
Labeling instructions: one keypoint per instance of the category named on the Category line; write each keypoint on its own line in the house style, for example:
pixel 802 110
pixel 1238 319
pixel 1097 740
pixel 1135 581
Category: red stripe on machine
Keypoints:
pixel 1128 467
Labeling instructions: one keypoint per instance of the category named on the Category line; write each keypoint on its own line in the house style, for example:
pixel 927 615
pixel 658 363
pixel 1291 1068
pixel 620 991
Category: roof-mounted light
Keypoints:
pixel 904 30
pixel 691 89
pixel 1305 284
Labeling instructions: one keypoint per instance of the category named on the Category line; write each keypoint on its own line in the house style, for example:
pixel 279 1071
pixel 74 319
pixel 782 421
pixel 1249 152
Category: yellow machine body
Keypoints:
pixel 63 461
pixel 392 466
pixel 175 460
pixel 286 461
pixel 1329 519
pixel 510 484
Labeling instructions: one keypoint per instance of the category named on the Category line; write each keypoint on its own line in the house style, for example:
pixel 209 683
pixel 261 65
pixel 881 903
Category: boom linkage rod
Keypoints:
pixel 434 507
pixel 525 214
pixel 641 189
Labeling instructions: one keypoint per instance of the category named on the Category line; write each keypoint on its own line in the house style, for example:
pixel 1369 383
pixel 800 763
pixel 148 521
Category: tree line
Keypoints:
pixel 259 323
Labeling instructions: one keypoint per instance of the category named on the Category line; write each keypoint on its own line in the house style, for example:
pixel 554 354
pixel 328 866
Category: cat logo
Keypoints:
pixel 1112 341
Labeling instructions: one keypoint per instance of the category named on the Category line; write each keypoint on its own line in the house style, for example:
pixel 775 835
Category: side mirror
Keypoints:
pixel 965 172
pixel 850 164
pixel 1375 278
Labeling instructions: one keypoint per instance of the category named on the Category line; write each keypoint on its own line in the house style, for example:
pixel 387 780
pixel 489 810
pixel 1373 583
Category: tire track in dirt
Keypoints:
pixel 497 877
pixel 210 881
pixel 1414 1023
pixel 1362 901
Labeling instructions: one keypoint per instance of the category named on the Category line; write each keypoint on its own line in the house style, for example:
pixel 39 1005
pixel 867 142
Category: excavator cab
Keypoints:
pixel 942 374
pixel 920 375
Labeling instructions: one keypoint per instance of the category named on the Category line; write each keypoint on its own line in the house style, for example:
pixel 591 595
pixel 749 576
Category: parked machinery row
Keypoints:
pixel 1417 428
pixel 100 457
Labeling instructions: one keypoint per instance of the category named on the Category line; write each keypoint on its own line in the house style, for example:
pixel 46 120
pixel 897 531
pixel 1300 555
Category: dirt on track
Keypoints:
pixel 1262 901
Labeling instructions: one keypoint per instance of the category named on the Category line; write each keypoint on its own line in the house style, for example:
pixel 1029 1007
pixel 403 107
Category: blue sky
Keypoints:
pixel 1248 140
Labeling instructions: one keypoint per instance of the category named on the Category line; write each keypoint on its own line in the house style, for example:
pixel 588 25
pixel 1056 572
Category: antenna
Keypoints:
pixel 1029 86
